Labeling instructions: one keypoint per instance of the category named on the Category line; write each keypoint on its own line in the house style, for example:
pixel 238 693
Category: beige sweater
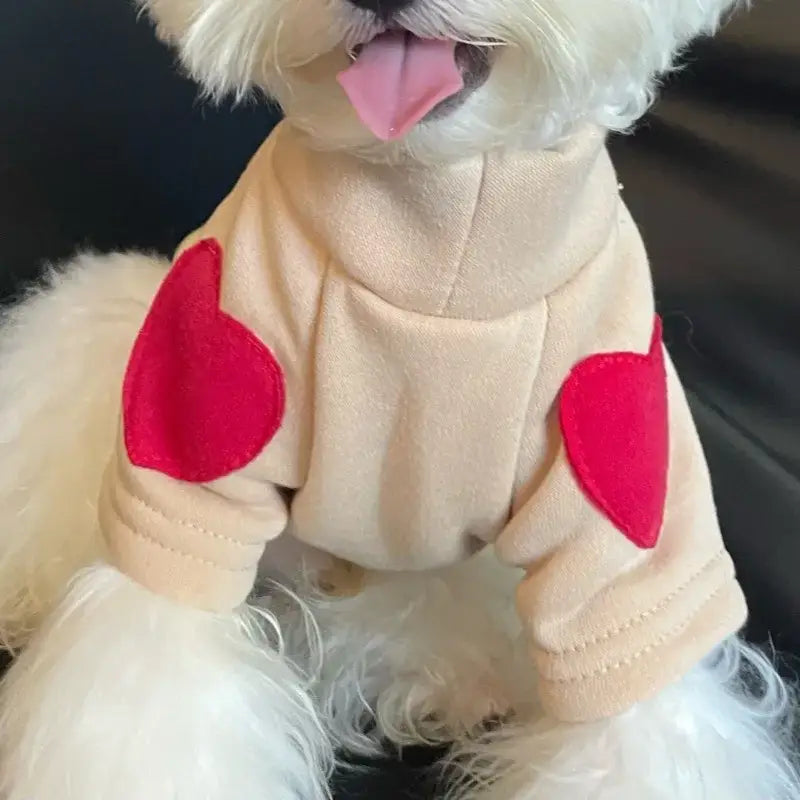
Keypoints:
pixel 425 321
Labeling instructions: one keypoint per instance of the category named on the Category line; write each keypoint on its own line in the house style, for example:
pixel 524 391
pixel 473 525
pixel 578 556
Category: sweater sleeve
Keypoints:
pixel 627 583
pixel 216 425
pixel 197 543
pixel 187 503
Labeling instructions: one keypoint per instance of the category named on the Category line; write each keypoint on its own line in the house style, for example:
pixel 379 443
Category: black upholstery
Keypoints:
pixel 102 144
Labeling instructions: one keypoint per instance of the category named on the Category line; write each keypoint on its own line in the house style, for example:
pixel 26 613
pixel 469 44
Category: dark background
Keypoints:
pixel 102 144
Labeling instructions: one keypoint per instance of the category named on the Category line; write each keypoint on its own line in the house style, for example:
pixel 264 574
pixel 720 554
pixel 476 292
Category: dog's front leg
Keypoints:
pixel 415 658
pixel 706 737
pixel 153 679
pixel 630 605
pixel 127 695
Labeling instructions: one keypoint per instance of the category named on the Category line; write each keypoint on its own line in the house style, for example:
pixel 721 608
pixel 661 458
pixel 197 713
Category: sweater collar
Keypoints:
pixel 476 239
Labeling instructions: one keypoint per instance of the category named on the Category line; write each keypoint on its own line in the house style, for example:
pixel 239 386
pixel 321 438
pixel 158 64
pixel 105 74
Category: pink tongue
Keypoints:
pixel 398 78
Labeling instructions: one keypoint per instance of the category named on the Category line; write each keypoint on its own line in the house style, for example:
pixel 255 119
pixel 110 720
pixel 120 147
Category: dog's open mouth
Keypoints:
pixel 397 79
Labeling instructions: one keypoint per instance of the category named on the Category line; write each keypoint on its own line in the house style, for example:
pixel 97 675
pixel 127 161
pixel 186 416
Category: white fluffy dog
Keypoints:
pixel 120 694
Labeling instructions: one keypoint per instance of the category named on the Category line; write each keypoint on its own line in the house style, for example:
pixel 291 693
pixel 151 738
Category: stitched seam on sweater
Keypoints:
pixel 187 524
pixel 626 662
pixel 175 551
pixel 359 285
pixel 467 238
pixel 639 618
pixel 126 484
pixel 531 389
pixel 312 387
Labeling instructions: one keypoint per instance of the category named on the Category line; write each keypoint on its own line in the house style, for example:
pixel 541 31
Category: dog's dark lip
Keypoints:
pixel 475 63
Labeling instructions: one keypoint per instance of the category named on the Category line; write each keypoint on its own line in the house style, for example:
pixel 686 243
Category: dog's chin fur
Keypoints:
pixel 556 63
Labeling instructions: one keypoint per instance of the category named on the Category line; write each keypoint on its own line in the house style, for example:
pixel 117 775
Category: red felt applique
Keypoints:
pixel 615 428
pixel 203 395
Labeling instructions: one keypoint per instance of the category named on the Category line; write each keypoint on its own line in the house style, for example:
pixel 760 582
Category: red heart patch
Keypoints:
pixel 203 395
pixel 614 420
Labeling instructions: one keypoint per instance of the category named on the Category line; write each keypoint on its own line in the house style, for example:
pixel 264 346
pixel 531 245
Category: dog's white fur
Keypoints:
pixel 558 62
pixel 710 736
pixel 121 694
pixel 405 642
pixel 62 355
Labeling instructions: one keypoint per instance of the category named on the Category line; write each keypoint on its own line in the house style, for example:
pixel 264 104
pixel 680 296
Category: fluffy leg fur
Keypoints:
pixel 425 658
pixel 62 354
pixel 125 695
pixel 417 658
pixel 723 733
